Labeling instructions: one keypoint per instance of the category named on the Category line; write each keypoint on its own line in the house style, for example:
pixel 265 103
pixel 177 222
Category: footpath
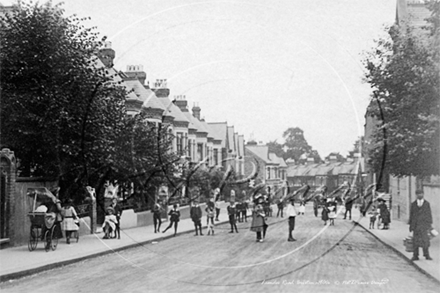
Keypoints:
pixel 17 262
pixel 393 238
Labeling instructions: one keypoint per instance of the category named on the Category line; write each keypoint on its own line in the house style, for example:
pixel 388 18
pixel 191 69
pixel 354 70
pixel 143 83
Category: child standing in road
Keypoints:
pixel 196 216
pixel 259 222
pixel 174 219
pixel 373 217
pixel 232 212
pixel 69 220
pixel 210 218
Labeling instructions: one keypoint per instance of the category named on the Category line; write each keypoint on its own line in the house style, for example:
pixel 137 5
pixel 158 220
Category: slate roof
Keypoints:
pixel 199 125
pixel 147 96
pixel 300 170
pixel 208 129
pixel 277 160
pixel 219 129
pixel 190 119
pixel 173 110
pixel 261 151
pixel 333 168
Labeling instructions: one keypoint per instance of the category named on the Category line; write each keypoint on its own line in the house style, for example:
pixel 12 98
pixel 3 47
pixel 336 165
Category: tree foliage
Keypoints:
pixel 276 148
pixel 63 112
pixel 297 147
pixel 403 71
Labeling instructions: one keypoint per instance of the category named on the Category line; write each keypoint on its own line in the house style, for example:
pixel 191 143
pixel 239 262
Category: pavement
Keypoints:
pixel 17 262
pixel 393 238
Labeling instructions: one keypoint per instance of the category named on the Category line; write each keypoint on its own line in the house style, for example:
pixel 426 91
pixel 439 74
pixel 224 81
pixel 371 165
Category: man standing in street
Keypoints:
pixel 348 207
pixel 420 223
pixel 291 215
pixel 196 217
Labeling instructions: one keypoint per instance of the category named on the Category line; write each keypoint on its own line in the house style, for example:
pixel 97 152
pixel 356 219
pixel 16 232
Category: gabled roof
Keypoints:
pixel 300 170
pixel 277 160
pixel 346 168
pixel 173 110
pixel 220 130
pixel 199 125
pixel 191 120
pixel 322 169
pixel 208 129
pixel 261 151
pixel 116 78
pixel 147 96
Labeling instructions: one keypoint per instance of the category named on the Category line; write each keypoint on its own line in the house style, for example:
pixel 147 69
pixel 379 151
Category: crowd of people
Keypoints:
pixel 66 219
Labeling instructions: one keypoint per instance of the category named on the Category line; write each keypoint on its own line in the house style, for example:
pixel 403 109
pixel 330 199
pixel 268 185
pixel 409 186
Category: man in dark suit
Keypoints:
pixel 420 222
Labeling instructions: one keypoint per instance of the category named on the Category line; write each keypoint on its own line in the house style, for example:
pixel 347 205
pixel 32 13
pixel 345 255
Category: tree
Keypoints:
pixel 61 111
pixel 403 71
pixel 276 148
pixel 358 147
pixel 296 144
pixel 315 155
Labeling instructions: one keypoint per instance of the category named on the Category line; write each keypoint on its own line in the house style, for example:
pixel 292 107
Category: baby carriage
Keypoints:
pixel 43 222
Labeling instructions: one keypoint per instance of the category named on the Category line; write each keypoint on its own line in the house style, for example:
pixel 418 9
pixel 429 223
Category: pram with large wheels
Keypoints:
pixel 43 222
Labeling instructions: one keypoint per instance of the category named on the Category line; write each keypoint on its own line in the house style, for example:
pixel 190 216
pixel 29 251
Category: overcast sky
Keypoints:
pixel 262 66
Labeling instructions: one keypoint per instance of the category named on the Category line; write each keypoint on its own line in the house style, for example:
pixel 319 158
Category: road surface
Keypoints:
pixel 340 258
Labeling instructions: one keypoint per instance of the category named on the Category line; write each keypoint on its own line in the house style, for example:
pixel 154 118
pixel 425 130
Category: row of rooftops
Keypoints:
pixel 156 102
pixel 352 167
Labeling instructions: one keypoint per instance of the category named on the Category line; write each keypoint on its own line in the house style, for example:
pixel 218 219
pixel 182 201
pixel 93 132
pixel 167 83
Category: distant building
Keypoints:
pixel 272 169
pixel 331 174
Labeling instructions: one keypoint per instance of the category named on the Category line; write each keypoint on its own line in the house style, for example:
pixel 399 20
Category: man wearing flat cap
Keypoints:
pixel 420 222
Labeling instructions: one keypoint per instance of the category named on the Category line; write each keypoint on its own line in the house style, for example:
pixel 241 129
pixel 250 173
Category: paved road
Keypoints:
pixel 340 258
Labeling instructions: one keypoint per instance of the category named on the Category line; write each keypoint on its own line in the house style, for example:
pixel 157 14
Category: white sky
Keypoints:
pixel 262 66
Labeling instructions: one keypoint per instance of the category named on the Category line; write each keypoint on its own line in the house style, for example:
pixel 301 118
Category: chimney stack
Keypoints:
pixel 196 111
pixel 136 72
pixel 160 88
pixel 181 102
pixel 107 54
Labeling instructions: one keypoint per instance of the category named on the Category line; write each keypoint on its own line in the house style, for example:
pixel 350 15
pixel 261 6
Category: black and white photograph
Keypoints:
pixel 220 146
